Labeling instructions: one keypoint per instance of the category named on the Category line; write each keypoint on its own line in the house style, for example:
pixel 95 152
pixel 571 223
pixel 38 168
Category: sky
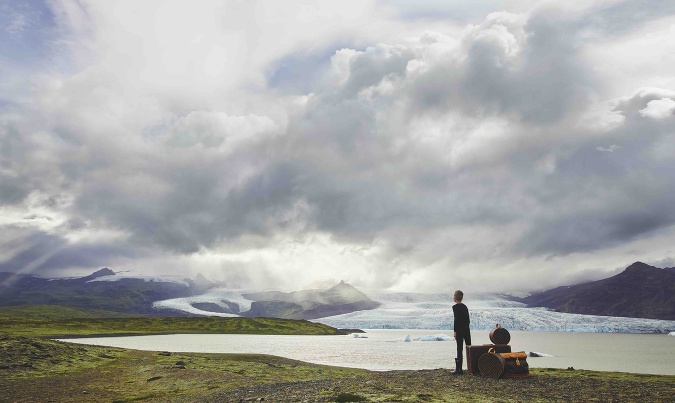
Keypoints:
pixel 496 146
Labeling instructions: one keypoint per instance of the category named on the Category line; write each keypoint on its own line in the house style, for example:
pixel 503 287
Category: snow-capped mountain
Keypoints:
pixel 307 304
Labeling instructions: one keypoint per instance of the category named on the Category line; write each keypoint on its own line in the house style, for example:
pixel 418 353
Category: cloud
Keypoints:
pixel 39 252
pixel 485 151
pixel 609 149
pixel 659 108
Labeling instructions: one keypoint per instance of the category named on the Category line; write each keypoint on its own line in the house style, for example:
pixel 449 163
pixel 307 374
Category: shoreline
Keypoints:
pixel 374 354
pixel 69 372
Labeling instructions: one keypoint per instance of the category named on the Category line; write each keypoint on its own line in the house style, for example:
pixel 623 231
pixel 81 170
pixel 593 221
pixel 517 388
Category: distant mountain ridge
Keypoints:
pixel 640 291
pixel 309 304
pixel 129 295
pixel 105 290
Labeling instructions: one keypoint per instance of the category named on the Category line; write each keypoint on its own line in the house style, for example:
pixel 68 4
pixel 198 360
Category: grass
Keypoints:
pixel 61 371
pixel 59 322
pixel 34 368
pixel 65 372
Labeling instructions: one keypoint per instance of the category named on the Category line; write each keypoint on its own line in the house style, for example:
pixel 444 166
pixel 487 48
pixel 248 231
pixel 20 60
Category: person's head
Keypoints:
pixel 459 296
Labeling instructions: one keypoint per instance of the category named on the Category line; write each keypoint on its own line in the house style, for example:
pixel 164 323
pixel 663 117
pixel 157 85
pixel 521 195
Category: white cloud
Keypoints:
pixel 609 149
pixel 659 108
pixel 419 152
pixel 219 130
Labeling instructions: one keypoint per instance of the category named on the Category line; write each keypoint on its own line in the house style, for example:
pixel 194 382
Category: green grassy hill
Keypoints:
pixel 54 321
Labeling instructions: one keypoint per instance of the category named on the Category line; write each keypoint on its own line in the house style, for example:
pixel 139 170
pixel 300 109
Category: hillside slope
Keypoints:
pixel 640 291
pixel 309 304
pixel 126 295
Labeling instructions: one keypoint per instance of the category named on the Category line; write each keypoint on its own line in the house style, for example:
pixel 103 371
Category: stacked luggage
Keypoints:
pixel 496 360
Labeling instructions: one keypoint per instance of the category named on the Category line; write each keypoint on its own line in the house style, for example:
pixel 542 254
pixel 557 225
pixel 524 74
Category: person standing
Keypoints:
pixel 461 330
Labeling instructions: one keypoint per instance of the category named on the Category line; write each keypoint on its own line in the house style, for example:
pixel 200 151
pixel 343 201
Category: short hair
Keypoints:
pixel 459 295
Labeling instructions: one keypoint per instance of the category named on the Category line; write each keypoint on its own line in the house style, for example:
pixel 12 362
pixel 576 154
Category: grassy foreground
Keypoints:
pixel 33 368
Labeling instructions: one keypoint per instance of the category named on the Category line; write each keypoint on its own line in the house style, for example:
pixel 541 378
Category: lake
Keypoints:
pixel 387 350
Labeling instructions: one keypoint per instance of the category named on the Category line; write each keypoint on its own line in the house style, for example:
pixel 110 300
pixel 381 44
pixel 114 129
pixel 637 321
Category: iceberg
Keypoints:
pixel 536 354
pixel 671 334
pixel 436 337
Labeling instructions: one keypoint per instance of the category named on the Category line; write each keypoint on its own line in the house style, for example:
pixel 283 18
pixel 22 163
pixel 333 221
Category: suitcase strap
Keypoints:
pixel 517 355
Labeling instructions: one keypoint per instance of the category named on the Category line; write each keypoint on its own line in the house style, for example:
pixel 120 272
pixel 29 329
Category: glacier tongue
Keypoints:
pixel 434 311
pixel 217 296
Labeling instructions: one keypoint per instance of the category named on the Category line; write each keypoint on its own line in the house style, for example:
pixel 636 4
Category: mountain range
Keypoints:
pixel 309 304
pixel 95 291
pixel 105 290
pixel 640 291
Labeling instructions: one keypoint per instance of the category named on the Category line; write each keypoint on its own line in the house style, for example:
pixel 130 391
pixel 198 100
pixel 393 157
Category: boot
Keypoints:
pixel 458 367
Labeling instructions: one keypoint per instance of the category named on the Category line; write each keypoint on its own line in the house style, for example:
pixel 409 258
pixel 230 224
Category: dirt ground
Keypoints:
pixel 33 370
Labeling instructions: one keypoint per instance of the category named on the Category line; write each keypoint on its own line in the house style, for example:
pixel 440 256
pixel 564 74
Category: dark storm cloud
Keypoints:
pixel 597 200
pixel 44 254
pixel 14 187
pixel 12 190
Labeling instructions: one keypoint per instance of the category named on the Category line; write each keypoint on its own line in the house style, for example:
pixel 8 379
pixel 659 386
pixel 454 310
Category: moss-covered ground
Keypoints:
pixel 36 369
pixel 60 322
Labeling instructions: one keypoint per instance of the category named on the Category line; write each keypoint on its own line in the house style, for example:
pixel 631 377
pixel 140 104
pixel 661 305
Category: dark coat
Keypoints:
pixel 462 320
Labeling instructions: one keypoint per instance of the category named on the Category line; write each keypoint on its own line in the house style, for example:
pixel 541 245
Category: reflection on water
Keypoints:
pixel 386 350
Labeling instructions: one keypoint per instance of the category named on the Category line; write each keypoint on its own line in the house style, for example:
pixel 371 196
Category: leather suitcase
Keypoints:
pixel 473 353
pixel 507 365
pixel 499 335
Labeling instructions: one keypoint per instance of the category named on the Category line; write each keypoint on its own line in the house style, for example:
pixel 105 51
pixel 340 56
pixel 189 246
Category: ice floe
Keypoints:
pixel 536 354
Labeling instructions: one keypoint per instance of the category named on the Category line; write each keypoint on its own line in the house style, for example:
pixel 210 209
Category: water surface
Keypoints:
pixel 386 350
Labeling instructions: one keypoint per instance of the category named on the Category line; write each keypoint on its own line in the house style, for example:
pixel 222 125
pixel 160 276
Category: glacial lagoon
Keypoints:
pixel 383 349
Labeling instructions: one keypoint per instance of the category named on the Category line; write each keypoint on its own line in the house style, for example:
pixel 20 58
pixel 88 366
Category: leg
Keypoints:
pixel 460 344
pixel 460 358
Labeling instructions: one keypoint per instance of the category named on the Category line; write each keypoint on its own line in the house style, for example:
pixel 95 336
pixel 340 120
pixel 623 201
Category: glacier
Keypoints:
pixel 434 312
pixel 217 296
